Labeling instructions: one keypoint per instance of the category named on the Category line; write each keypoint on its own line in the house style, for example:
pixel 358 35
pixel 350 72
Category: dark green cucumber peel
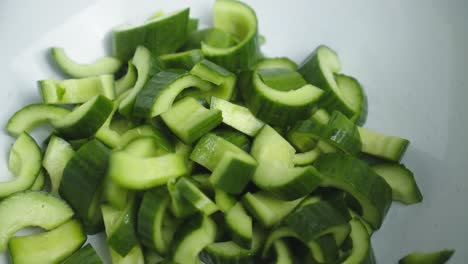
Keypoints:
pixel 123 238
pixel 86 255
pixel 182 60
pixel 439 257
pixel 226 253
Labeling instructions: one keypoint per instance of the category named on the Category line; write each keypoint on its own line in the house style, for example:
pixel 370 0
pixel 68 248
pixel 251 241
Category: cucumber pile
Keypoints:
pixel 190 146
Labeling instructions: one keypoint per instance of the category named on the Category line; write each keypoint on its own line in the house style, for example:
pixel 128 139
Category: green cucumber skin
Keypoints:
pixel 440 257
pixel 358 179
pixel 123 239
pixel 235 176
pixel 81 179
pixel 235 137
pixel 348 82
pixel 86 255
pixel 210 255
pixel 90 123
pixel 382 146
pixel 212 36
pixel 310 221
pixel 164 38
pixel 182 60
pixel 312 73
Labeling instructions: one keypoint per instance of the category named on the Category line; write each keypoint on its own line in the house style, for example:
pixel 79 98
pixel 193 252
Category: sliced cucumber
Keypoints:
pixel 33 115
pixel 224 200
pixel 238 19
pixel 440 257
pixel 114 194
pixel 182 60
pixel 30 208
pixel 268 209
pixel 25 163
pixel 160 35
pixel 85 120
pixel 56 157
pixel 123 238
pixel 76 91
pixel 281 79
pixel 237 117
pixel 226 253
pixel 189 120
pixel 212 36
pixel 402 182
pixel 235 137
pixel 355 177
pixel 152 172
pixel 105 65
pixel 86 255
pixel 160 92
pixel 386 147
pixel 240 225
pixel 361 242
pixel 39 183
pixel 306 158
pixel 81 181
pixel 48 247
pixel 146 131
pixel 196 233
pixel 180 207
pixel 196 197
pixel 354 96
pixel 282 252
pixel 213 73
pixel 277 63
pixel 127 81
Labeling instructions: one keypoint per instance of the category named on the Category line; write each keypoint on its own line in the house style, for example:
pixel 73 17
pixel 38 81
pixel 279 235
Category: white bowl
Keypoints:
pixel 411 57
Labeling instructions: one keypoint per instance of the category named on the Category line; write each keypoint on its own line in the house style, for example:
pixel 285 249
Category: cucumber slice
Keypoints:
pixel 269 145
pixel 233 172
pixel 33 115
pixel 276 63
pixel 182 60
pixel 354 96
pixel 105 65
pixel 355 177
pixel 189 120
pixel 151 230
pixel 81 181
pixel 240 225
pixel 160 92
pixel 340 132
pixel 318 69
pixel 268 209
pixel 439 257
pixel 224 80
pixel 306 158
pixel 321 116
pixel 123 238
pixel 279 107
pixel 146 66
pixel 127 81
pixel 282 252
pixel 56 157
pixel 212 36
pixel 224 200
pixel 86 255
pixel 235 137
pixel 196 197
pixel 281 79
pixel 76 91
pixel 25 163
pixel 30 208
pixel 135 256
pixel 382 146
pixel 402 182
pixel 180 206
pixel 237 117
pixel 152 172
pixel 114 194
pixel 226 253
pixel 145 147
pixel 39 183
pixel 160 35
pixel 48 247
pixel 85 120
pixel 192 238
pixel 238 19
pixel 146 131
pixel 325 249
pixel 361 242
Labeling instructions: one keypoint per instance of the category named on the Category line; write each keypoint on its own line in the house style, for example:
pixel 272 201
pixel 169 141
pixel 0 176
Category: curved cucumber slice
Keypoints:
pixel 387 147
pixel 145 131
pixel 318 69
pixel 56 157
pixel 81 181
pixel 152 172
pixel 440 257
pixel 160 92
pixel 123 238
pixel 76 91
pixel 127 81
pixel 180 207
pixel 189 120
pixel 31 209
pixel 48 247
pixel 85 120
pixel 226 253
pixel 237 117
pixel 189 241
pixel 86 255
pixel 212 36
pixel 32 116
pixel 238 19
pixel 306 158
pixel 224 200
pixel 355 177
pixel 39 183
pixel 402 182
pixel 213 73
pixel 105 65
pixel 25 163
pixel 282 252
pixel 354 95
pixel 237 138
pixel 145 147
pixel 269 145
pixel 182 60
pixel 160 35
pixel 361 242
pixel 279 107
pixel 196 197
pixel 276 63
pixel 240 224
pixel 281 79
